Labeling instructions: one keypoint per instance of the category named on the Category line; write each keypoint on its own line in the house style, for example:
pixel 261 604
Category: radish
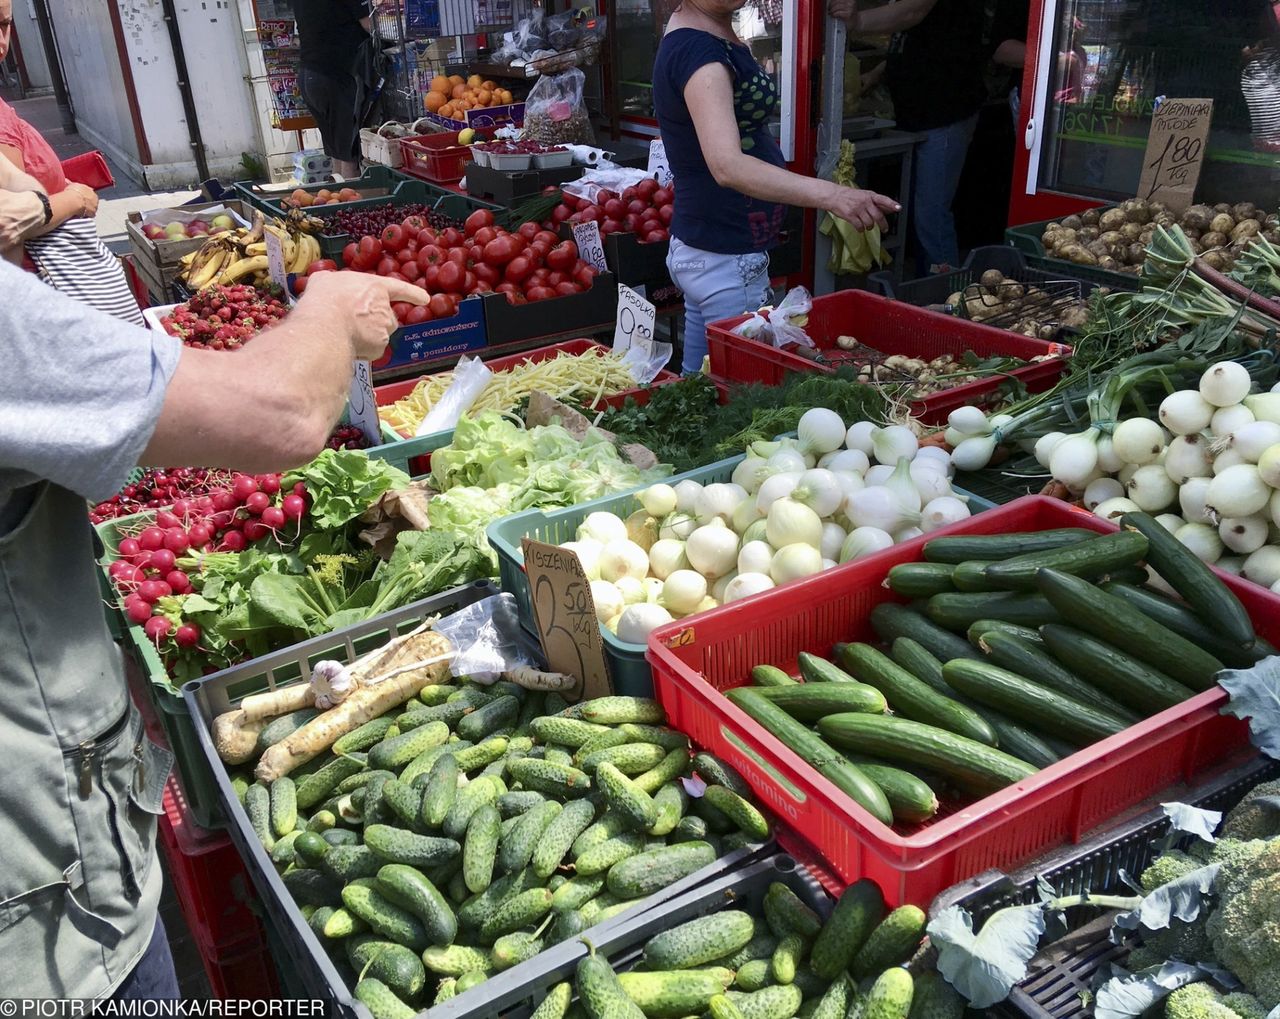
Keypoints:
pixel 294 506
pixel 243 487
pixel 257 502
pixel 187 635
pixel 273 517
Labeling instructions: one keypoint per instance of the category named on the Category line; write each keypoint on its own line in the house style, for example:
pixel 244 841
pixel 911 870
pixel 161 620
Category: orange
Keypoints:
pixel 463 104
pixel 457 79
pixel 491 86
pixel 446 110
pixel 506 98
pixel 434 100
pixel 484 97
pixel 323 195
pixel 441 84
pixel 458 91
pixel 475 81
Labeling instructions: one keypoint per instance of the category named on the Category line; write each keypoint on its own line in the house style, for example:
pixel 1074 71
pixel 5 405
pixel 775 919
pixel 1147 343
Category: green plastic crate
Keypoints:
pixel 627 665
pixel 1026 238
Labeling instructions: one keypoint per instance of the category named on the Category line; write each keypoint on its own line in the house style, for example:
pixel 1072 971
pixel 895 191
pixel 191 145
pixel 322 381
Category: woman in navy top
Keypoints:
pixel 713 103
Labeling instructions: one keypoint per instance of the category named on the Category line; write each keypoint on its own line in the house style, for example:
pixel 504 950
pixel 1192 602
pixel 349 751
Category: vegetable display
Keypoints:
pixel 459 829
pixel 644 210
pixel 225 317
pixel 794 508
pixel 587 376
pixel 1021 307
pixel 1056 655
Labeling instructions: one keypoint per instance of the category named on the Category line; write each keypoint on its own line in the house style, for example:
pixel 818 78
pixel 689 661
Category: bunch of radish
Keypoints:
pixel 1208 468
pixel 792 508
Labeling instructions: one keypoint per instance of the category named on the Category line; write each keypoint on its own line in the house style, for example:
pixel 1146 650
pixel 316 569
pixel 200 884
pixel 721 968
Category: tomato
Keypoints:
pixel 665 213
pixel 370 247
pixel 630 194
pixel 629 222
pixel 429 255
pixel 362 264
pixel 486 274
pixel 547 237
pixel 401 309
pixel 539 277
pixel 656 236
pixel 560 213
pixel 518 269
pixel 605 195
pixel 406 254
pixel 414 223
pixel 562 256
pixel 483 236
pixel 411 271
pixel 646 188
pixel 431 277
pixel 396 276
pixel 477 220
pixel 566 288
pixel 419 314
pixel 610 226
pixel 300 285
pixel 450 238
pixel 537 252
pixel 452 275
pixel 350 253
pixel 637 206
pixel 614 208
pixel 528 230
pixel 584 275
pixel 500 250
pixel 427 236
pixel 458 256
pixel 322 265
pixel 386 266
pixel 663 196
pixel 540 293
pixel 506 287
pixel 554 279
pixel 441 306
pixel 394 237
pixel 468 282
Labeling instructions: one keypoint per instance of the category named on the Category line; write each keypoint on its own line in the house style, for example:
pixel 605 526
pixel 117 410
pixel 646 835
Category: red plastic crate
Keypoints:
pixel 692 663
pixel 437 157
pixel 210 880
pixel 890 327
pixel 242 970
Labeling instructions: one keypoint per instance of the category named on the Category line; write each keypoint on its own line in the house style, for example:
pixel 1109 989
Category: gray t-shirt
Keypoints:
pixel 80 393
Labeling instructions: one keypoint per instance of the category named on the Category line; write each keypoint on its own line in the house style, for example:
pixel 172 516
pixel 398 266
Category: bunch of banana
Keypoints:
pixel 236 256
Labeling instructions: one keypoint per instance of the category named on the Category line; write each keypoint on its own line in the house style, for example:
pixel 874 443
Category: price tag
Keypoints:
pixel 659 168
pixel 1175 152
pixel 566 616
pixel 275 260
pixel 362 406
pixel 636 317
pixel 590 245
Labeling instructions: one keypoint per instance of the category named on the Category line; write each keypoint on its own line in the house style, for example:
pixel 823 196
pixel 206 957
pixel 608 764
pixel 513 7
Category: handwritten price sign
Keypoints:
pixel 590 247
pixel 636 318
pixel 362 406
pixel 566 616
pixel 659 168
pixel 1175 152
pixel 275 260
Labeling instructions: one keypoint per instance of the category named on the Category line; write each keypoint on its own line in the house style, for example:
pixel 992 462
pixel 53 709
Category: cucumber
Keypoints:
pixel 819 670
pixel 451 712
pixel 934 998
pixel 600 991
pixel 512 805
pixel 631 759
pixel 1137 684
pixel 700 941
pixel 672 767
pixel 569 732
pixel 312 887
pixel 959 611
pixel 760 947
pixel 672 994
pixel 715 771
pixel 1203 590
pixel 911 697
pixel 482 755
pixel 470 798
pixel 557 755
pixel 413 891
pixel 445 990
pixel 1115 621
pixel 283 853
pixel 810 701
pixel 577 892
pixel 781 1001
pixel 553 845
pixel 393 754
pixel 981 626
pixel 671 801
pixel 690 828
pixel 455 960
pixel 362 899
pixel 968 576
pixel 623 796
pixel 910 798
pixel 753 975
pixel 718 822
pixel 892 621
pixel 556 1002
pixel 787 914
pixel 920 580
pixel 342 924
pixel 920 662
pixel 890 996
pixel 611 824
pixel 480 848
pixel 1096 557
pixel 436 693
pixel 321 821
pixel 283 806
pixel 484 722
pixel 645 873
pixel 348 863
pixel 381 1001
pixel 359 780
pixel 668 739
pixel 470 979
pixel 552 779
pixel 739 810
pixel 396 966
pixel 770 675
pixel 513 949
pixel 617 710
pixel 440 792
pixel 720 1007
pixel 787 957
pixel 404 800
pixel 523 909
pixel 476 910
pixel 893 941
pixel 835 1000
pixel 517 848
pixel 309 848
pixel 397 845
pixel 1180 618
pixel 610 737
pixel 567 924
pixel 316 787
pixel 341 837
pixel 814 751
pixel 971 765
pixel 282 727
pixel 992 547
pixel 1029 702
pixel 257 804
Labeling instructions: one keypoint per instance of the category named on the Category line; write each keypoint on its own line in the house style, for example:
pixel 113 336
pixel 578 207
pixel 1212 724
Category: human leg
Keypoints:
pixel 939 161
pixel 154 977
pixel 715 287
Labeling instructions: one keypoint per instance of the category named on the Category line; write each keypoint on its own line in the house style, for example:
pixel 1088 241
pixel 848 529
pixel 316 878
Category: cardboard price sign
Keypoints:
pixel 362 406
pixel 636 317
pixel 659 168
pixel 1175 152
pixel 590 246
pixel 566 616
pixel 275 261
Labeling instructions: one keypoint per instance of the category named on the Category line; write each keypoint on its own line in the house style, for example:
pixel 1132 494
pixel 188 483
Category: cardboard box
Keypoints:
pixel 488 116
pixel 437 340
pixel 593 311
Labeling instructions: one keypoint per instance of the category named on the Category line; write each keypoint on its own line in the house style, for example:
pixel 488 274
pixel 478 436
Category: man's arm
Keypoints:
pixel 21 212
pixel 898 16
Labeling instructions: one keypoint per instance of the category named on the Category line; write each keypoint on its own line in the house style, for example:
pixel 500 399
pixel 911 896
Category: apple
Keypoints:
pixel 197 228
pixel 153 231
pixel 222 222
pixel 175 230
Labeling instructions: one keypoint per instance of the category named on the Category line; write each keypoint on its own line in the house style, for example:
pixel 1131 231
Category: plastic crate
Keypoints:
pixel 891 328
pixel 375 185
pixel 1060 971
pixel 1026 238
pixel 627 663
pixel 592 311
pixel 693 663
pixel 435 157
pixel 312 967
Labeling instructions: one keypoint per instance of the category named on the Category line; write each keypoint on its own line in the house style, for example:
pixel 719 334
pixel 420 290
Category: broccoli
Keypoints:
pixel 1245 926
pixel 1246 1006
pixel 1168 867
pixel 1250 819
pixel 1201 1001
pixel 1186 941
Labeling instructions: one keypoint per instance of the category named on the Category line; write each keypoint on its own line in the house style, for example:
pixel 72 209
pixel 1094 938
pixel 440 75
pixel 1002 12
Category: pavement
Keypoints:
pixel 114 204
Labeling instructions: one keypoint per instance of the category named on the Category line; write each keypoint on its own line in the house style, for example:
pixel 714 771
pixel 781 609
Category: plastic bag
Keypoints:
pixel 489 639
pixel 783 325
pixel 555 112
pixel 604 178
pixel 469 380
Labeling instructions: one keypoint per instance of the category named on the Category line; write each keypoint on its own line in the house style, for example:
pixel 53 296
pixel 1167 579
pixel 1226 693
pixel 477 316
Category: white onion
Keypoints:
pixel 1185 412
pixel 1243 534
pixel 903 488
pixel 1100 490
pixel 1232 564
pixel 969 420
pixel 1254 439
pixel 1138 441
pixel 608 600
pixel 666 556
pixel 632 590
pixel 878 474
pixel 1125 474
pixel 1238 491
pixel 1273 508
pixel 846 461
pixel 1225 383
pixel 1269 466
pixel 788 461
pixel 1227 420
pixel 755 557
pixel 1108 461
pixel 588 552
pixel 602 527
pixel 677 526
pixel 859 436
pixel 652 589
pixel 1188 457
pixel 1227 458
pixel 876 507
pixel 659 500
pixel 1263 567
pixel 974 453
pixel 1114 509
pixel 1045 445
pixel 906 534
pixel 623 559
pixel 1265 406
pixel 686 495
pixel 850 483
pixel 744 585
pixel 758 531
pixel 953 437
pixel 1152 489
pixel 791 562
pixel 1203 540
pixel 638 621
pixel 893 443
pixel 930 480
pixel 935 455
pixel 1075 458
pixel 682 591
pixel 751 473
pixel 777 487
pixel 942 512
pixel 833 536
pixel 745 515
pixel 820 490
pixel 864 541
pixel 1191 500
pixel 712 551
pixel 1170 521
pixel 721 586
pixel 719 499
pixel 790 522
pixel 820 431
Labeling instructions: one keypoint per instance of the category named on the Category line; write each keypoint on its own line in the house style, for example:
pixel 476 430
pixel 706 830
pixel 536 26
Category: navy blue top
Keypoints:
pixel 709 216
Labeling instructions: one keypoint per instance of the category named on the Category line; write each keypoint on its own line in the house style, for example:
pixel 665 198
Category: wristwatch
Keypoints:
pixel 48 209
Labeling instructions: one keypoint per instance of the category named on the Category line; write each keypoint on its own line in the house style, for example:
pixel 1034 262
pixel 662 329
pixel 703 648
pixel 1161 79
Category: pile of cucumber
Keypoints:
pixel 1015 651
pixel 775 960
pixel 464 832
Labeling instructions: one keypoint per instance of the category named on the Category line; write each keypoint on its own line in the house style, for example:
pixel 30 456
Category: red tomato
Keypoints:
pixel 575 219
pixel 646 188
pixel 537 252
pixel 629 222
pixel 547 237
pixel 566 288
pixel 540 294
pixel 610 226
pixel 441 306
pixel 322 265
pixel 477 220
pixel 630 194
pixel 429 255
pixel 350 253
pixel 518 269
pixel 396 276
pixel 554 279
pixel 393 237
pixel 637 206
pixel 483 236
pixel 468 282
pixel 452 275
pixel 591 214
pixel 401 309
pixel 411 271
pixel 370 247
pixel 486 274
pixel 584 275
pixel 563 255
pixel 605 195
pixel 362 264
pixel 656 236
pixel 500 250
pixel 450 238
pixel 665 213
pixel 506 288
pixel 539 277
pixel 414 223
pixel 419 314
pixel 431 277
pixel 406 254
pixel 663 196
pixel 300 285
pixel 427 236
pixel 528 230
pixel 561 213
pixel 614 208
pixel 386 266
pixel 458 256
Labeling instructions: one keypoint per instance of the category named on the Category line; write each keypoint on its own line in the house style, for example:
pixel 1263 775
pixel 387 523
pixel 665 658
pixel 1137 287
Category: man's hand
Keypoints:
pixel 845 10
pixel 864 209
pixel 88 199
pixel 364 301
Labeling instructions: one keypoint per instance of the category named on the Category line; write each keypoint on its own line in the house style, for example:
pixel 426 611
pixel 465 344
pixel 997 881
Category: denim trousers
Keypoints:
pixel 715 287
pixel 935 175
pixel 154 977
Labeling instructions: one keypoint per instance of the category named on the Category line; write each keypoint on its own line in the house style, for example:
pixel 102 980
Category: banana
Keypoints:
pixel 255 249
pixel 239 269
pixel 208 271
pixel 306 251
